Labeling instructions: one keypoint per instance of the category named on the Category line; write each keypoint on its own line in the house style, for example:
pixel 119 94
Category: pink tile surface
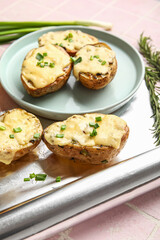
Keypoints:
pixel 33 11
pixel 143 204
pixel 5 101
pixel 148 27
pixel 118 18
pixel 157 234
pixel 59 16
pixel 82 9
pixel 54 4
pixel 5 4
pixel 119 223
pixel 105 2
pixel 138 7
pixel 155 13
pixel 129 18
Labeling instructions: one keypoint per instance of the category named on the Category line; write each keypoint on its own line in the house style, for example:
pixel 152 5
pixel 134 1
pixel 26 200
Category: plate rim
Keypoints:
pixel 56 28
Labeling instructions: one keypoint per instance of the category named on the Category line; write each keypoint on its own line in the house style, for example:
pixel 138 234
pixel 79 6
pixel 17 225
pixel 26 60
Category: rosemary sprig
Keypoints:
pixel 152 77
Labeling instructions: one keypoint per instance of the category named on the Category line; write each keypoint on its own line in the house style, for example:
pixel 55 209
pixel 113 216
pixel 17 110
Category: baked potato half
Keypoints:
pixel 91 138
pixel 45 69
pixel 96 65
pixel 70 40
pixel 20 132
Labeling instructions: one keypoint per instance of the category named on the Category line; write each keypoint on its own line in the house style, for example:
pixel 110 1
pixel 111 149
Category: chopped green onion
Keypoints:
pixel 99 60
pixel 32 175
pixel 78 60
pixel 36 135
pixel 91 58
pixel 96 56
pixel 26 179
pixel 11 135
pixel 70 35
pixel 45 63
pixel 61 45
pixel 98 119
pixel 58 179
pixel 93 133
pixel 40 177
pixel 39 56
pixel 44 54
pixel 59 135
pixel 104 161
pixel 91 124
pixel 41 65
pixel 95 125
pixel 38 63
pixel 51 65
pixel 56 43
pixel 17 130
pixel 84 152
pixel 70 40
pixel 103 63
pixel 72 59
pixel 63 127
pixel 2 128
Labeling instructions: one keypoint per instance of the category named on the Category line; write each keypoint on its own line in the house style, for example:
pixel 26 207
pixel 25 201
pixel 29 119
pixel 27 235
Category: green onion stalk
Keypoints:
pixel 10 31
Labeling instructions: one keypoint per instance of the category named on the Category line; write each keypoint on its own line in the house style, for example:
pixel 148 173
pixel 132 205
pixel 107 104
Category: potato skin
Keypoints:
pixel 89 155
pixel 53 87
pixel 33 143
pixel 99 80
pixel 20 153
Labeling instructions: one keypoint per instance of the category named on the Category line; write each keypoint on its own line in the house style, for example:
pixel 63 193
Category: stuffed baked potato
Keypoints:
pixel 91 138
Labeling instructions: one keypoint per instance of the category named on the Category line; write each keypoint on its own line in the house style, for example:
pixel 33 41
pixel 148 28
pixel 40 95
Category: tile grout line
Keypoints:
pixel 66 15
pixel 64 235
pixel 146 215
pixel 38 5
pixel 55 9
pixel 49 10
pixel 153 232
pixel 10 6
pixel 101 11
pixel 103 4
pixel 152 9
pixel 144 17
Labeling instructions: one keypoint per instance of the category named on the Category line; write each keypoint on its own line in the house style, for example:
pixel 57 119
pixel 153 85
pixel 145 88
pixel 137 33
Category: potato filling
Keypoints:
pixel 88 130
pixel 70 39
pixel 95 60
pixel 39 72
pixel 20 129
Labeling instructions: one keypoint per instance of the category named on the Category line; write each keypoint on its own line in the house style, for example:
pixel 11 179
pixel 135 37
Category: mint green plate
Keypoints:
pixel 73 98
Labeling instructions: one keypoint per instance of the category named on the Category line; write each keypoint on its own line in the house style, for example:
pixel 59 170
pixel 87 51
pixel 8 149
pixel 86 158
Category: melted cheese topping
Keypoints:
pixel 78 39
pixel 13 119
pixel 39 77
pixel 95 65
pixel 109 133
